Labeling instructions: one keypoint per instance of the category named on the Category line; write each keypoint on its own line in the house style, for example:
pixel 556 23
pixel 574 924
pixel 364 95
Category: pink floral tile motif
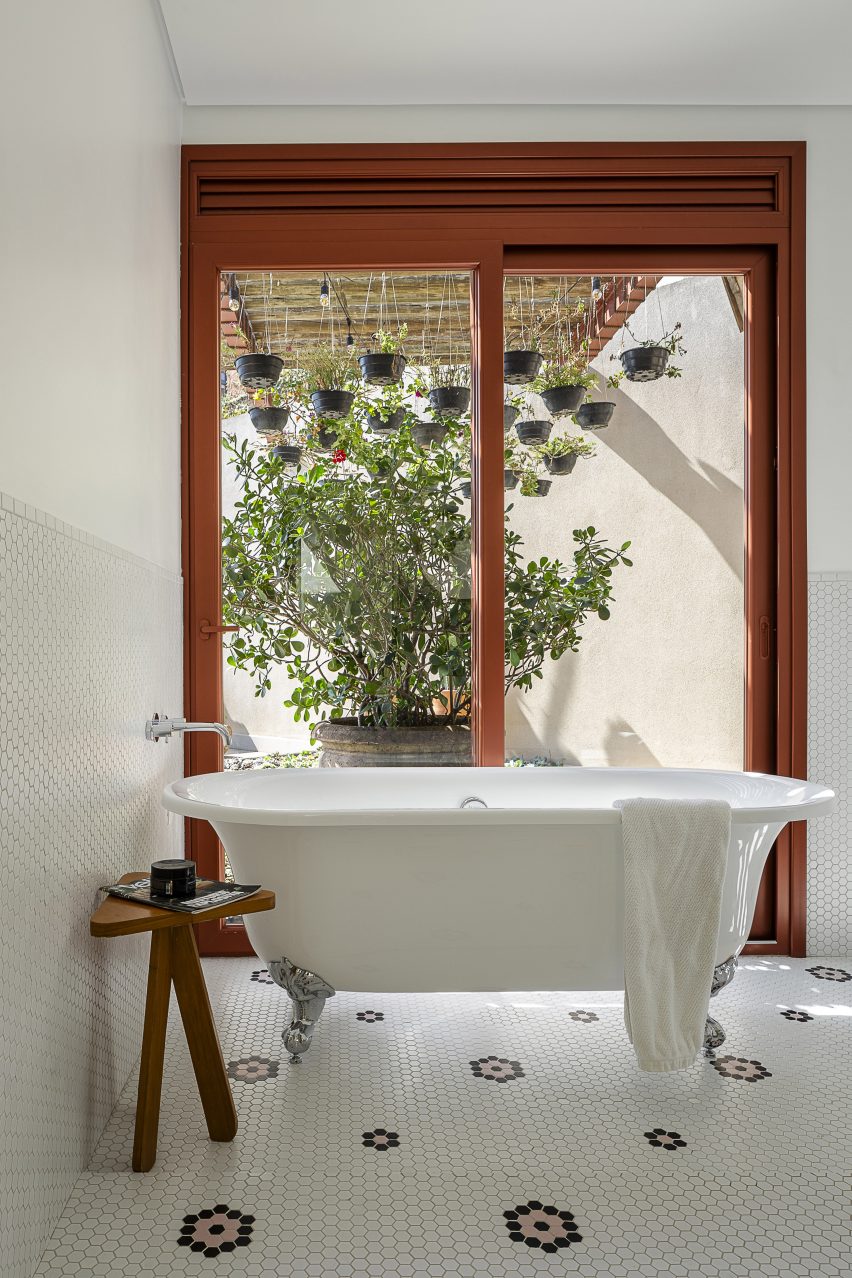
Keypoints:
pixel 216 1229
pixel 585 1018
pixel 829 973
pixel 253 1069
pixel 794 1014
pixel 537 1225
pixel 661 1139
pixel 380 1140
pixel 370 1017
pixel 261 975
pixel 499 1069
pixel 737 1067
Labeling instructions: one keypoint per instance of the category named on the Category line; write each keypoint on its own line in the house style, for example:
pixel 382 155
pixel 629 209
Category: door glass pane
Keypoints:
pixel 346 516
pixel 630 431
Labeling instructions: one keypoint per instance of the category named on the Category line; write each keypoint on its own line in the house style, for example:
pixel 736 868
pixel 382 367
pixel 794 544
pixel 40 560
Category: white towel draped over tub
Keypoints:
pixel 675 854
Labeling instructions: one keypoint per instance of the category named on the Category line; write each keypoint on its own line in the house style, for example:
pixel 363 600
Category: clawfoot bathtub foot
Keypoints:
pixel 308 992
pixel 714 1035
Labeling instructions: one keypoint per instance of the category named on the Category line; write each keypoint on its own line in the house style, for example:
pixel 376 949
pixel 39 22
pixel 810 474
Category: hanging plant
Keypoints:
pixel 272 407
pixel 512 467
pixel 258 372
pixel 648 361
pixel 425 434
pixel 386 414
pixel 531 483
pixel 560 455
pixel 289 454
pixel 595 414
pixel 449 389
pixel 520 367
pixel 385 366
pixel 522 357
pixel 331 379
pixel 533 432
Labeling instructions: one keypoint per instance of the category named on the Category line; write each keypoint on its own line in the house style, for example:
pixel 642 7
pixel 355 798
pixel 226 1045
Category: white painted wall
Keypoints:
pixel 89 248
pixel 828 133
pixel 89 569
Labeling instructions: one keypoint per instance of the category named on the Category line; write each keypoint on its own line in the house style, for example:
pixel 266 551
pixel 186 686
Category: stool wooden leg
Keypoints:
pixel 153 1049
pixel 213 1086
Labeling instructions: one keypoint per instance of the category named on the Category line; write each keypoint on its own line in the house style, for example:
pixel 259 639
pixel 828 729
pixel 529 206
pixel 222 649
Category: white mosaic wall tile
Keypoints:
pixel 90 644
pixel 830 760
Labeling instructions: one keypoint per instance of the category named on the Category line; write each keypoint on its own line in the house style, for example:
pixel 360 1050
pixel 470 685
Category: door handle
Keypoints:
pixel 207 629
pixel 765 638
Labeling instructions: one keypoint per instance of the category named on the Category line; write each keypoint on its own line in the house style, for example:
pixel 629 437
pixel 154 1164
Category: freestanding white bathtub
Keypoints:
pixel 384 882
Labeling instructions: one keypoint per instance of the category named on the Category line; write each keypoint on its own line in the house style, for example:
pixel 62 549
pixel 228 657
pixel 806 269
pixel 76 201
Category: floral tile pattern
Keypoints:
pixel 261 975
pixel 497 1068
pixel 537 1225
pixel 585 1018
pixel 380 1139
pixel 794 1014
pixel 369 1016
pixel 830 973
pixel 661 1139
pixel 253 1069
pixel 738 1067
pixel 216 1229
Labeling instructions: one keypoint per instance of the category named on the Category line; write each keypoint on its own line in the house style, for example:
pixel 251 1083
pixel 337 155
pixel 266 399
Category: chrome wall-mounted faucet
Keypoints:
pixel 162 726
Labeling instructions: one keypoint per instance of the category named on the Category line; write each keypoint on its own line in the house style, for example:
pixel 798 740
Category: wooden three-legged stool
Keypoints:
pixel 174 960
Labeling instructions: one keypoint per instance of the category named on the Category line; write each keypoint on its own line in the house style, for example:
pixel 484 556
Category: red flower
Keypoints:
pixel 418 394
pixel 338 456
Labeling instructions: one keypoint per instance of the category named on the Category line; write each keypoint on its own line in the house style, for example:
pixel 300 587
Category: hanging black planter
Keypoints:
pixel 644 363
pixel 335 404
pixel 449 401
pixel 465 490
pixel 258 372
pixel 327 438
pixel 542 488
pixel 561 465
pixel 595 415
pixel 510 416
pixel 510 480
pixel 382 369
pixel 562 400
pixel 386 425
pixel 520 367
pixel 289 454
pixel 426 433
pixel 533 432
pixel 267 421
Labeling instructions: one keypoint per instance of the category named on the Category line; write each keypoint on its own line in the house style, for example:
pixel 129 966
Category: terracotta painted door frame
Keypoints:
pixel 661 208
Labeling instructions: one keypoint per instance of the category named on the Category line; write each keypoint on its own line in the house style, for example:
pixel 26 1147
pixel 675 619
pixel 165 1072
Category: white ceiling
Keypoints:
pixel 360 52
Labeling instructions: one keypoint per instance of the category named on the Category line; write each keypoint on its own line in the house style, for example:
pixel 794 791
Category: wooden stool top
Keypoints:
pixel 117 917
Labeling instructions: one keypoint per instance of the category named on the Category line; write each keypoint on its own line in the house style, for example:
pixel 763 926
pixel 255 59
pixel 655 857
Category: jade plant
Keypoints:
pixel 356 580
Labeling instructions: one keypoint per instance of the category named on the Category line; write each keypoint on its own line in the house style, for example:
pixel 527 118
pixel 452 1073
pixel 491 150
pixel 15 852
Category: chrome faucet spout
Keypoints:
pixel 162 726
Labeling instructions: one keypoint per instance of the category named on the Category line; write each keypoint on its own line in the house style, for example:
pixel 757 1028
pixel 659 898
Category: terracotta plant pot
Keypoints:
pixel 335 404
pixel 644 363
pixel 521 367
pixel 382 369
pixel 560 401
pixel 347 745
pixel 533 432
pixel 596 415
pixel 561 465
pixel 258 372
pixel 392 422
pixel 268 421
pixel 449 401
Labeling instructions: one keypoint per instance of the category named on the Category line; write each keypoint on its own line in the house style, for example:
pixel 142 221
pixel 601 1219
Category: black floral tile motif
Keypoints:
pixel 585 1018
pixel 542 1226
pixel 380 1139
pixel 661 1139
pixel 369 1016
pixel 261 975
pixel 216 1229
pixel 829 973
pixel 793 1014
pixel 497 1068
pixel 252 1069
pixel 738 1067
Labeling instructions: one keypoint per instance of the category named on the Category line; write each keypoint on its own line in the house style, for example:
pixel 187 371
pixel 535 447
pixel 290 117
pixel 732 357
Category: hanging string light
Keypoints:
pixel 324 296
pixel 597 291
pixel 234 301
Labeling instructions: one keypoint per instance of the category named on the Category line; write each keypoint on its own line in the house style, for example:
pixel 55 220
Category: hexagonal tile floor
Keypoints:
pixel 386 1153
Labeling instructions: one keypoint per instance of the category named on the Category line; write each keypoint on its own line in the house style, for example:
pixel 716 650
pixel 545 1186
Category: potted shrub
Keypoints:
pixel 258 372
pixel 331 380
pixel 533 432
pixel 386 365
pixel 384 662
pixel 560 455
pixel 449 389
pixel 647 361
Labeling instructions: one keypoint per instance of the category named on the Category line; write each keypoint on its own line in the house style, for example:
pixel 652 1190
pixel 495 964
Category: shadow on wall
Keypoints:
pixel 712 500
pixel 624 748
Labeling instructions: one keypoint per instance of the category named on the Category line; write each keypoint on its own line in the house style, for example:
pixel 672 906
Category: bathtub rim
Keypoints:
pixel 820 801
